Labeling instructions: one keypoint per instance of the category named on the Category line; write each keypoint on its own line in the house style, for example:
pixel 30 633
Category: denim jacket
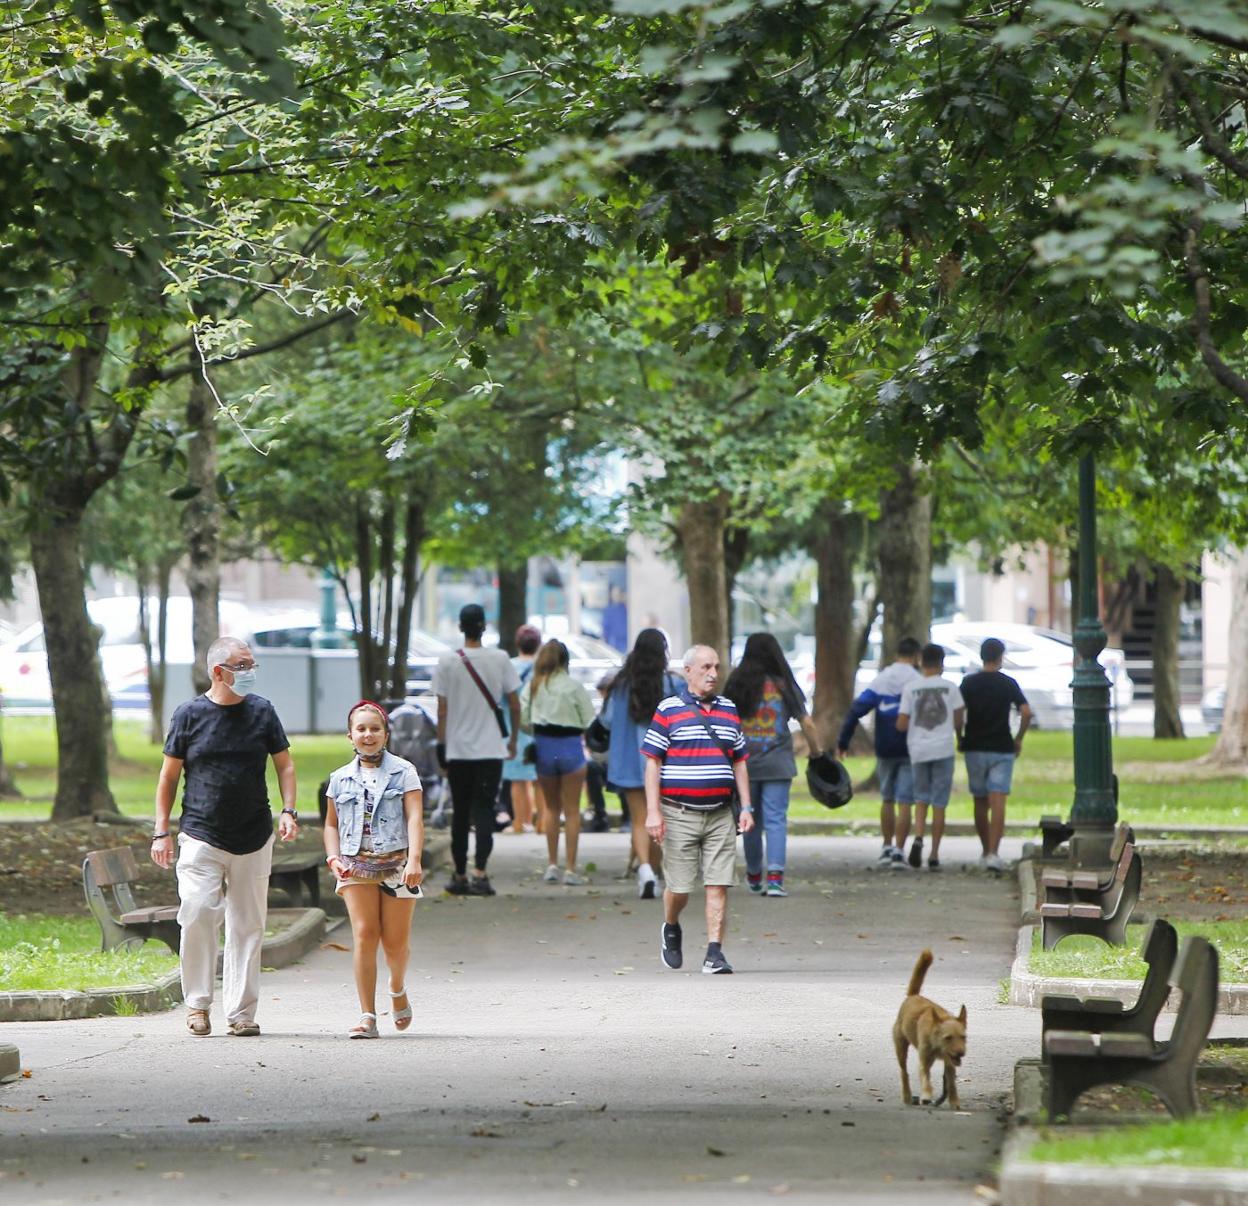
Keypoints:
pixel 389 827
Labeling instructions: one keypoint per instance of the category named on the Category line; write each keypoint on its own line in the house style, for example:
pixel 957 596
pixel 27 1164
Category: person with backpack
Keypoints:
pixel 520 772
pixel 768 698
pixel 641 683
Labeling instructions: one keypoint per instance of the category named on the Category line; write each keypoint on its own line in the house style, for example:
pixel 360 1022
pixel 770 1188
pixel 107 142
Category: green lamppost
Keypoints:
pixel 1095 807
pixel 327 635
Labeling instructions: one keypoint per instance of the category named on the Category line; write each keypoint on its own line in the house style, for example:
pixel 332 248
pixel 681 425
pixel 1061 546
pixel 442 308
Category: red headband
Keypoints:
pixel 368 703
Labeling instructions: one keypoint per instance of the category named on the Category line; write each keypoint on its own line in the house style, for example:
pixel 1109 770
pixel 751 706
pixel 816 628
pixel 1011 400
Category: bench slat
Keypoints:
pixel 1070 1042
pixel 1126 1046
pixel 110 867
pixel 151 913
pixel 1088 912
pixel 1087 881
pixel 1055 910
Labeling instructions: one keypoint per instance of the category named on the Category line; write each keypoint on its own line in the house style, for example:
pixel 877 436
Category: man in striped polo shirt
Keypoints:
pixel 695 756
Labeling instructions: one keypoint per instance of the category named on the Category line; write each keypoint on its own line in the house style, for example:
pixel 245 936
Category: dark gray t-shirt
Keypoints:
pixel 224 749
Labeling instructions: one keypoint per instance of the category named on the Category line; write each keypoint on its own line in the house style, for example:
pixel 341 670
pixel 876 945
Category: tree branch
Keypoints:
pixel 1212 141
pixel 1222 372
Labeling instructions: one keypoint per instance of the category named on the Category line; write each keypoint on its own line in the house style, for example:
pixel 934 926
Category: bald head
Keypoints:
pixel 701 670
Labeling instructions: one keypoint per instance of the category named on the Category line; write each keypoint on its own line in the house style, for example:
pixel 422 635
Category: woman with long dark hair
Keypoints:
pixel 556 709
pixel 642 682
pixel 768 697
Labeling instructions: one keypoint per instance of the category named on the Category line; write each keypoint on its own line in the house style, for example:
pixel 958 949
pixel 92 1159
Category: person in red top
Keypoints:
pixel 695 758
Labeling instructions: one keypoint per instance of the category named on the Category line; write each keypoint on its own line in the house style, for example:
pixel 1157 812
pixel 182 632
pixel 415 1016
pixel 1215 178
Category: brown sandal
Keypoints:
pixel 197 1022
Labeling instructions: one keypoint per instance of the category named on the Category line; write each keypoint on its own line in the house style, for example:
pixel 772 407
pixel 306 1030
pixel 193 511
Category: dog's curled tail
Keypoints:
pixel 916 976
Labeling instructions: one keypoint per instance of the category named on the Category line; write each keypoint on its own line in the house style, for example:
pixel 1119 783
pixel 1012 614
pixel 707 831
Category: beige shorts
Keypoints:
pixel 698 848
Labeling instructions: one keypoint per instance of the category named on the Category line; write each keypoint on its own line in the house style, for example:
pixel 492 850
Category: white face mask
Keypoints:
pixel 244 682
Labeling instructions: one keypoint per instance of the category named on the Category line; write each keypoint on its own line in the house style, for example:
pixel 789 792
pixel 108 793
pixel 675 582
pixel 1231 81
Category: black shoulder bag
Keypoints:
pixel 489 699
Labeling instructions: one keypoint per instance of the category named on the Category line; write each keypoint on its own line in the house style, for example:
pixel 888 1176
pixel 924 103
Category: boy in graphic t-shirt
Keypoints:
pixel 931 709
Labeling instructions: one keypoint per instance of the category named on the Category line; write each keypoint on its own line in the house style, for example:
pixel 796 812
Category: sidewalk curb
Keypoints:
pixel 1027 988
pixel 1024 1183
pixel 304 934
pixel 865 826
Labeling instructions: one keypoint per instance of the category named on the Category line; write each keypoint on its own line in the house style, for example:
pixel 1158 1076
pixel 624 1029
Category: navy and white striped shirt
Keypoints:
pixel 696 772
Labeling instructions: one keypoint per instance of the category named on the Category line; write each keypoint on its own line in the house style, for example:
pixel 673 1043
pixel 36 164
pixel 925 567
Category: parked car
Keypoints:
pixel 24 678
pixel 588 658
pixel 1212 705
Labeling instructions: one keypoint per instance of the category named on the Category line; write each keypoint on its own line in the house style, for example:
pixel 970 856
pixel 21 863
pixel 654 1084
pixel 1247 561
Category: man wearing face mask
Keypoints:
pixel 223 740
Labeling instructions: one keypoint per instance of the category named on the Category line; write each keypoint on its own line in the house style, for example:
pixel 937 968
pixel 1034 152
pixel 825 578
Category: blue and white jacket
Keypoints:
pixel 389 826
pixel 884 695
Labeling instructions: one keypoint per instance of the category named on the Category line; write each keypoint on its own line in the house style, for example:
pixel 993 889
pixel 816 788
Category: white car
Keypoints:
pixel 24 678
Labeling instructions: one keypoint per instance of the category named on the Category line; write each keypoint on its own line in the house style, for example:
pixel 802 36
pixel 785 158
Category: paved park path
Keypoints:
pixel 553 1057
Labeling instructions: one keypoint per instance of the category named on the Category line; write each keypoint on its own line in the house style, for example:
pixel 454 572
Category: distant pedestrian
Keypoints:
pixel 374 838
pixel 891 757
pixel 642 682
pixel 223 740
pixel 929 714
pixel 595 816
pixel 557 710
pixel 989 746
pixel 473 740
pixel 768 698
pixel 695 757
pixel 520 772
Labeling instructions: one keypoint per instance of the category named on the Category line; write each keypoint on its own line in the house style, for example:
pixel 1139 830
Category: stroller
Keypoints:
pixel 414 736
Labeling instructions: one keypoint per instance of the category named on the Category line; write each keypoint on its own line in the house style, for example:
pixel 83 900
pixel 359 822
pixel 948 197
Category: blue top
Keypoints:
pixel 625 769
pixel 884 695
pixel 517 768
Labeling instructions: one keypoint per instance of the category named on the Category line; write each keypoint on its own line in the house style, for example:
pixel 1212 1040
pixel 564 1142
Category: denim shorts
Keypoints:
pixel 933 781
pixel 989 771
pixel 896 780
pixel 558 755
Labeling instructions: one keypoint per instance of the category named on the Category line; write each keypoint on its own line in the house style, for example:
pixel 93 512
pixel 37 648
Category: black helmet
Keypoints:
pixel 829 781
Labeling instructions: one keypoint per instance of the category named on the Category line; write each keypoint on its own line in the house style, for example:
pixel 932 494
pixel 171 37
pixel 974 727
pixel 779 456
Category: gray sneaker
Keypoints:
pixel 993 863
pixel 886 856
pixel 897 860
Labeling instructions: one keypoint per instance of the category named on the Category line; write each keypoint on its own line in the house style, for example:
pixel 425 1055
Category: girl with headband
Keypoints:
pixel 374 835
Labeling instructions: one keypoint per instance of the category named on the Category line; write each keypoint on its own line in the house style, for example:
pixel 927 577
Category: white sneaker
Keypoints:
pixel 552 874
pixel 647 882
pixel 983 862
pixel 886 856
pixel 993 863
pixel 572 880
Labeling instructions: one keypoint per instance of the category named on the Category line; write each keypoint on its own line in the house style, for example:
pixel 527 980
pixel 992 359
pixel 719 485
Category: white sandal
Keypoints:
pixel 402 1017
pixel 366 1028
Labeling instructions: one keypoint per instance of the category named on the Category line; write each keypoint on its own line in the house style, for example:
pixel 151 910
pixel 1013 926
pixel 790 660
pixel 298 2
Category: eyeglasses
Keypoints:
pixel 236 669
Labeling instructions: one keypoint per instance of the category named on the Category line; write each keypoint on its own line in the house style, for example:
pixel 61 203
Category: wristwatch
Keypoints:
pixel 290 812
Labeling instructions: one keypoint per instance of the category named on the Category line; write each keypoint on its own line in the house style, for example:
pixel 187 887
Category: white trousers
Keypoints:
pixel 214 886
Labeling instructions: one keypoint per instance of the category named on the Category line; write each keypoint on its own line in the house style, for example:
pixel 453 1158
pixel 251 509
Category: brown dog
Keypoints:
pixel 934 1032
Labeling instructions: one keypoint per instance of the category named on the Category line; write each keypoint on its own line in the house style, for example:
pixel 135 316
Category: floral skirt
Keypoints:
pixel 368 867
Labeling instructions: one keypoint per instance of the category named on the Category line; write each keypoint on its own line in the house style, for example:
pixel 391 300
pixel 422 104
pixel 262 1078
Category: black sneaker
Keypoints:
pixel 916 853
pixel 458 885
pixel 669 946
pixel 716 965
pixel 479 885
pixel 933 863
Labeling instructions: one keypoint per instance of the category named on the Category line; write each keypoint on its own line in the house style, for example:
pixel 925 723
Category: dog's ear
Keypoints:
pixel 962 1015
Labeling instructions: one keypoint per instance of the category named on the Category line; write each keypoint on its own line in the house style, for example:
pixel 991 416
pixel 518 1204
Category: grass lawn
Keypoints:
pixel 1156 787
pixel 48 953
pixel 1210 1141
pixel 1087 958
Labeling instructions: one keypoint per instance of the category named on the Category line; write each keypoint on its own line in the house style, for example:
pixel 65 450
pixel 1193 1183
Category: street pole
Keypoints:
pixel 1095 807
pixel 327 635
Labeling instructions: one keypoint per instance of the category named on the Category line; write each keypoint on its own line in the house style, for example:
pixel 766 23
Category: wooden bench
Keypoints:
pixel 1079 1060
pixel 1094 879
pixel 1104 1015
pixel 294 872
pixel 122 922
pixel 1104 916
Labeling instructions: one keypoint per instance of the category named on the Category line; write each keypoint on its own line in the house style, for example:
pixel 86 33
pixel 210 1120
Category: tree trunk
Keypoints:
pixel 386 572
pixel 1231 748
pixel 158 670
pixel 905 561
pixel 364 634
pixel 1167 721
pixel 201 523
pixel 736 549
pixel 73 665
pixel 513 606
pixel 413 538
pixel 834 549
pixel 700 530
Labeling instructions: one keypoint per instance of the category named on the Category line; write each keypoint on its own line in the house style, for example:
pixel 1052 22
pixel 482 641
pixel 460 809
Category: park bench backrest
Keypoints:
pixel 1124 862
pixel 1195 975
pixel 1160 944
pixel 1122 835
pixel 110 867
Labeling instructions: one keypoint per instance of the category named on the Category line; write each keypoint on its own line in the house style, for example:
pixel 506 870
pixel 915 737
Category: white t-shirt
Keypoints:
pixel 471 729
pixel 930 702
pixel 373 783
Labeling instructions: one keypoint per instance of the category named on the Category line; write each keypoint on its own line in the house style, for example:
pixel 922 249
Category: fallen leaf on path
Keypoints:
pixel 199 1118
pixel 482 1132
pixel 956 938
pixel 334 946
pixel 740 1178
pixel 358 1158
pixel 714 1151
pixel 373 1118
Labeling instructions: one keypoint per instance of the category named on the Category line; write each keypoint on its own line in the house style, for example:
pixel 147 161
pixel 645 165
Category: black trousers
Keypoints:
pixel 474 790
